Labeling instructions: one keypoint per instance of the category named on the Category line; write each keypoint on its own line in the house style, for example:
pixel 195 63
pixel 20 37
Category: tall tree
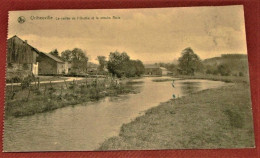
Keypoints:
pixel 189 62
pixel 119 64
pixel 116 63
pixel 79 60
pixel 102 62
pixel 77 57
pixel 54 53
pixel 66 55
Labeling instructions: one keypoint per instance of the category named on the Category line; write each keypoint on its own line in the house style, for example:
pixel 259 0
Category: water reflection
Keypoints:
pixel 189 87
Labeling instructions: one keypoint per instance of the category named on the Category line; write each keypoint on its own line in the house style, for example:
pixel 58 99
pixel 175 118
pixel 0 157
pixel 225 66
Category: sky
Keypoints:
pixel 150 35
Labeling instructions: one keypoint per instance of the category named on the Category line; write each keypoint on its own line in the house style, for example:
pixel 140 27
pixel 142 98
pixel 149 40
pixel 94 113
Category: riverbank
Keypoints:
pixel 213 118
pixel 50 96
pixel 227 79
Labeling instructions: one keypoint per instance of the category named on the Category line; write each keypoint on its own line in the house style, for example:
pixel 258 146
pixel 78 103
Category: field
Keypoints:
pixel 213 118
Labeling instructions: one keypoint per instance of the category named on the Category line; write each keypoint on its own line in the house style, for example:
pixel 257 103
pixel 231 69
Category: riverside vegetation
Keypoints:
pixel 32 97
pixel 213 118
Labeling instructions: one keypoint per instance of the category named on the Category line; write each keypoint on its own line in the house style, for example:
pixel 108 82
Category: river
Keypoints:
pixel 84 127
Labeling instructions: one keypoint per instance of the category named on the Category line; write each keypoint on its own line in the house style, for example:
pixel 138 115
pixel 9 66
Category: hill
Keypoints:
pixel 236 64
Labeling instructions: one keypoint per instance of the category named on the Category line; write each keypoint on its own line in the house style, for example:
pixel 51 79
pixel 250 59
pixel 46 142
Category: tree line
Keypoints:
pixel 190 63
pixel 118 64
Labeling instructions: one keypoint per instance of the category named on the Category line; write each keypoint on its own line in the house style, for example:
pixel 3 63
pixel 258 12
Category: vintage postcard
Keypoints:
pixel 127 79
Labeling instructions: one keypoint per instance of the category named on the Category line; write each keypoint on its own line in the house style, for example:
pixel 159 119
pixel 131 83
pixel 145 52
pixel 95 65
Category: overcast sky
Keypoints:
pixel 151 35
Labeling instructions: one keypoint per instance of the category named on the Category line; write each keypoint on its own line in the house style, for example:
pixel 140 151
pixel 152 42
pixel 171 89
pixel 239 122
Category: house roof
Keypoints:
pixel 53 57
pixel 163 68
pixel 151 66
pixel 36 50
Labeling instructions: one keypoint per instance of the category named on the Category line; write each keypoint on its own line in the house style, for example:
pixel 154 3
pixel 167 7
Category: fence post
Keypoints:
pixel 12 86
pixel 51 84
pixel 38 83
pixel 45 87
pixel 66 84
pixel 61 88
pixel 35 83
pixel 13 96
pixel 28 94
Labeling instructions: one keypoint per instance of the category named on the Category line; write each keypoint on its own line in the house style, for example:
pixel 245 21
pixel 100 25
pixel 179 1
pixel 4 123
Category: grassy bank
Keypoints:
pixel 46 97
pixel 227 79
pixel 213 118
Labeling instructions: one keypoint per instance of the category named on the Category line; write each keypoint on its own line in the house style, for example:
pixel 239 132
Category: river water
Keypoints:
pixel 86 126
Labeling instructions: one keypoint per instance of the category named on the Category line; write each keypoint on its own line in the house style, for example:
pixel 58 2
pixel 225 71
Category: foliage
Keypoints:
pixel 54 53
pixel 120 65
pixel 25 67
pixel 212 70
pixel 227 64
pixel 224 70
pixel 77 57
pixel 102 62
pixel 10 65
pixel 241 74
pixel 27 81
pixel 66 55
pixel 56 95
pixel 189 62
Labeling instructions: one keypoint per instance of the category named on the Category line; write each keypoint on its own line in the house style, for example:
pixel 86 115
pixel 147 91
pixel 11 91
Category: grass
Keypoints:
pixel 227 79
pixel 53 96
pixel 52 78
pixel 213 118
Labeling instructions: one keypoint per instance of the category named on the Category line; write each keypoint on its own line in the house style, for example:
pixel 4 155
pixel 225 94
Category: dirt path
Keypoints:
pixel 68 79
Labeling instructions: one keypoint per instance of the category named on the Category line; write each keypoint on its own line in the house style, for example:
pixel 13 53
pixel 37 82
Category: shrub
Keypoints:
pixel 241 74
pixel 25 67
pixel 26 81
pixel 224 70
pixel 10 65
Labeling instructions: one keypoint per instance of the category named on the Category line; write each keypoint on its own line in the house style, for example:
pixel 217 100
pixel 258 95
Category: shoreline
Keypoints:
pixel 55 96
pixel 211 118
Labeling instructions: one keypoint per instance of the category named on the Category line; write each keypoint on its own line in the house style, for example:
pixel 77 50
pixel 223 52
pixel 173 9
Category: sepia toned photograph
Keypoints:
pixel 127 79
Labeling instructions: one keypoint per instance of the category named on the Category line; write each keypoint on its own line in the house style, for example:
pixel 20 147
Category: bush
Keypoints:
pixel 10 66
pixel 224 70
pixel 27 81
pixel 25 67
pixel 15 79
pixel 241 74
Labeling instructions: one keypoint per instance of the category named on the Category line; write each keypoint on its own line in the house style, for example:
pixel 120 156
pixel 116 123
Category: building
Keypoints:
pixel 165 72
pixel 21 58
pixel 153 70
pixel 51 65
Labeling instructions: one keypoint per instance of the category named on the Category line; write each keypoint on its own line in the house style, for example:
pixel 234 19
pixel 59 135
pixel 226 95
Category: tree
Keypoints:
pixel 54 53
pixel 66 55
pixel 116 62
pixel 120 65
pixel 139 67
pixel 189 62
pixel 78 59
pixel 224 70
pixel 102 62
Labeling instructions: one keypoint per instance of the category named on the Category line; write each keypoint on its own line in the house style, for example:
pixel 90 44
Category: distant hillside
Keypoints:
pixel 225 58
pixel 235 62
